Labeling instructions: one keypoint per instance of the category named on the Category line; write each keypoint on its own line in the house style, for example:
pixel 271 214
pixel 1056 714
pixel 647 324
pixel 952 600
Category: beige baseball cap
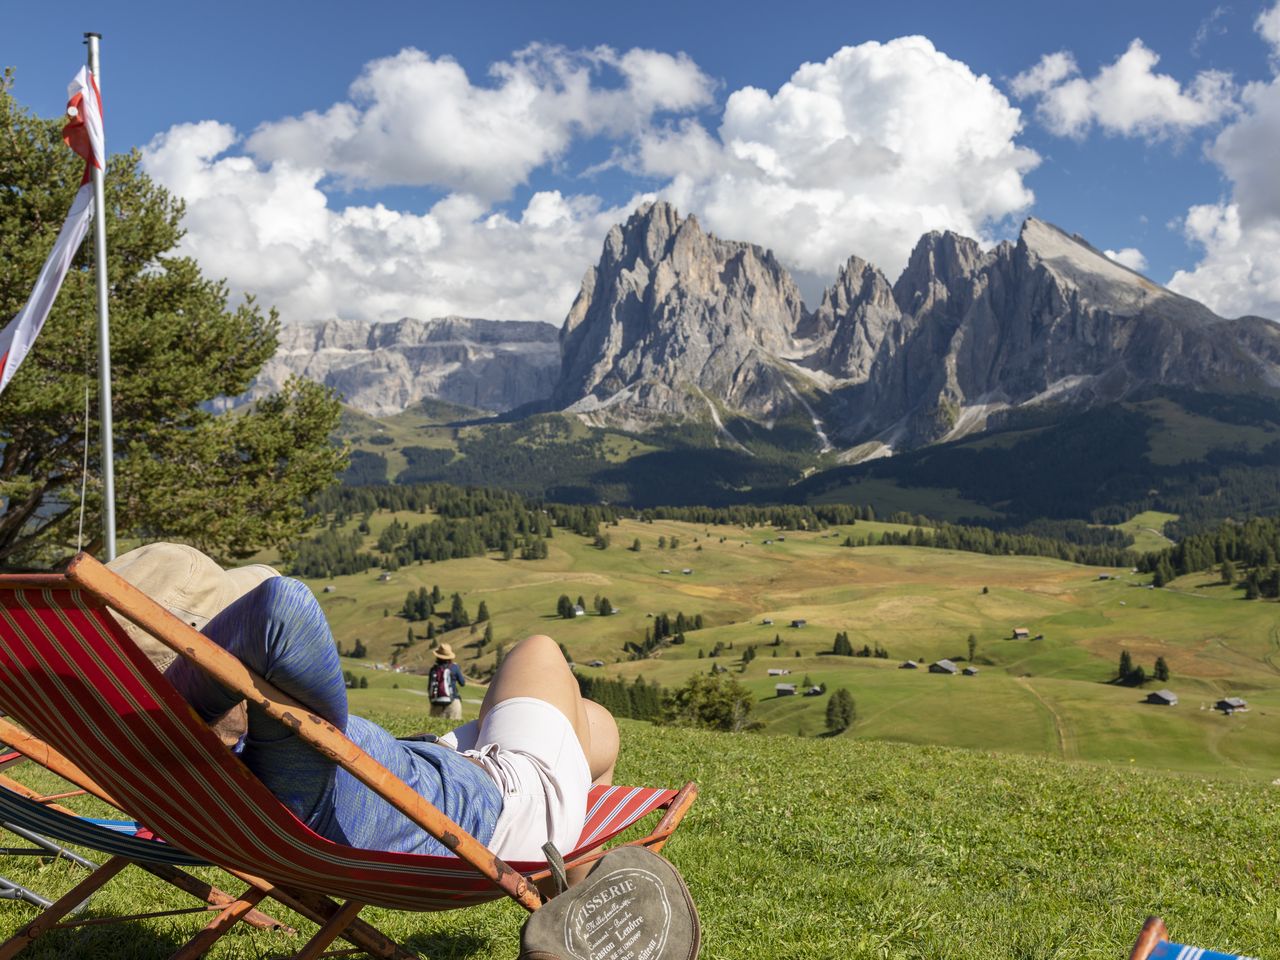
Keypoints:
pixel 187 583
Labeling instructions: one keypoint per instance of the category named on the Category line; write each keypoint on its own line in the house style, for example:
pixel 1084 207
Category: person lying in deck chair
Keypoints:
pixel 520 774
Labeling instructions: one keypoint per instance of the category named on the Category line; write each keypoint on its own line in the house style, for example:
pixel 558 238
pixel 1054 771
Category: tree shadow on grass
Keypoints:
pixel 108 940
pixel 446 945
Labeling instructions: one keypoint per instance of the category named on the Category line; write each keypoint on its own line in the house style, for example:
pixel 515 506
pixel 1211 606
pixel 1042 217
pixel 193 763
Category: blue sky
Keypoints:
pixel 1151 149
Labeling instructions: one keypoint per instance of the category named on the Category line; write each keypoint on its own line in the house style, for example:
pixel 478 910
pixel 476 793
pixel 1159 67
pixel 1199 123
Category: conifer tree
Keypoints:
pixel 1161 672
pixel 177 345
pixel 841 711
pixel 458 616
pixel 1252 587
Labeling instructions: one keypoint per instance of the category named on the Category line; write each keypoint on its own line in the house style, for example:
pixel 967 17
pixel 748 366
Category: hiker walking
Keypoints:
pixel 443 680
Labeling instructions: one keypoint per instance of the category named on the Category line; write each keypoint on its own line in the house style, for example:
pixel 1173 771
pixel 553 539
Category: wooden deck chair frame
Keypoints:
pixel 86 576
pixel 71 903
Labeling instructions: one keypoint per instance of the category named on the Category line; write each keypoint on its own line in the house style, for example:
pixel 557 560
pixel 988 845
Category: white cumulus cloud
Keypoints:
pixel 1268 25
pixel 1130 257
pixel 415 120
pixel 860 153
pixel 271 230
pixel 1126 97
pixel 1239 272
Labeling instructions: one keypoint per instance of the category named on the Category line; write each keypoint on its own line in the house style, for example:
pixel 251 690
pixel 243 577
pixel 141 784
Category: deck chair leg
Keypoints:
pixel 9 890
pixel 320 909
pixel 333 928
pixel 61 907
pixel 231 914
pixel 212 895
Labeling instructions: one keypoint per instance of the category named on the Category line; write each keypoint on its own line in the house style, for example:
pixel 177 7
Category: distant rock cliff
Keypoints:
pixel 673 322
pixel 1046 319
pixel 383 368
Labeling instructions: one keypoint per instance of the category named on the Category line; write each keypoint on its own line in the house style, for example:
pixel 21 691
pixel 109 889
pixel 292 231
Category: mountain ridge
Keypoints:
pixel 384 367
pixel 674 325
pixel 661 331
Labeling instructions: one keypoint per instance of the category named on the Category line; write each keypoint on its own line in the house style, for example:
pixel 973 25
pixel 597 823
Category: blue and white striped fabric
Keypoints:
pixel 116 837
pixel 1177 951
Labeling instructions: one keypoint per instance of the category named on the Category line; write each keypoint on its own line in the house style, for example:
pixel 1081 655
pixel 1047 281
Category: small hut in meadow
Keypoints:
pixel 784 689
pixel 1230 705
pixel 943 666
pixel 1163 698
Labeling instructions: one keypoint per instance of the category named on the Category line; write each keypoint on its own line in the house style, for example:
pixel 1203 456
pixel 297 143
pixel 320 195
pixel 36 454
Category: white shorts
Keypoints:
pixel 532 753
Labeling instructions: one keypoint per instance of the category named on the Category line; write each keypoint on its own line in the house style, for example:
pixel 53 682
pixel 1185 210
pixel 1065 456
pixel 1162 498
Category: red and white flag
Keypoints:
pixel 83 134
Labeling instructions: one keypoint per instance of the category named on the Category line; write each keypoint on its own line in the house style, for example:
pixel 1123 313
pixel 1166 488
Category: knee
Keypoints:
pixel 540 645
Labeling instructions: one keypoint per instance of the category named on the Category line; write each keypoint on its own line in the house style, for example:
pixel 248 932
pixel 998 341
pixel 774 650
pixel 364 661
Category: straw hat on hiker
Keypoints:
pixel 185 582
pixel 443 652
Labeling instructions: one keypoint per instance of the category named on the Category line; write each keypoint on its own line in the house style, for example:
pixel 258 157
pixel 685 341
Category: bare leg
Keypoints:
pixel 535 667
pixel 601 758
pixel 604 743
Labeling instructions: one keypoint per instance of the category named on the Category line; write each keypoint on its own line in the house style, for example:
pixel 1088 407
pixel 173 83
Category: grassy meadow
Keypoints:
pixel 821 848
pixel 1071 812
pixel 1046 697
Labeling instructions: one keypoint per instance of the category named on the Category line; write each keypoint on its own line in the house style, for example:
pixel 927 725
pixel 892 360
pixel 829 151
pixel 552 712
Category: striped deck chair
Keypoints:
pixel 1153 944
pixel 77 683
pixel 40 846
pixel 37 818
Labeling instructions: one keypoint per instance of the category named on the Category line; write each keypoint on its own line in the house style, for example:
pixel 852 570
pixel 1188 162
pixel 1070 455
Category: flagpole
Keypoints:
pixel 104 334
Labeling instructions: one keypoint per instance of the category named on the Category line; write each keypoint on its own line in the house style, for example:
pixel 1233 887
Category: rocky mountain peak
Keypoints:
pixel 672 316
pixel 940 265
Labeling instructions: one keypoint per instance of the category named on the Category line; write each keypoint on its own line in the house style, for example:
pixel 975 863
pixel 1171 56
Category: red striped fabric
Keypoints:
pixel 69 673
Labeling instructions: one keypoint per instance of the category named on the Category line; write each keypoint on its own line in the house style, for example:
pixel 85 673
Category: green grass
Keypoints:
pixel 890 497
pixel 1181 436
pixel 1042 697
pixel 1147 530
pixel 820 848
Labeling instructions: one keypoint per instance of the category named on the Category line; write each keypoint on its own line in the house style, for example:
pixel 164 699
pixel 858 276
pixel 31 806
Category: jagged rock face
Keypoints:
pixel 672 319
pixel 1048 318
pixel 940 270
pixel 856 316
pixel 383 368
